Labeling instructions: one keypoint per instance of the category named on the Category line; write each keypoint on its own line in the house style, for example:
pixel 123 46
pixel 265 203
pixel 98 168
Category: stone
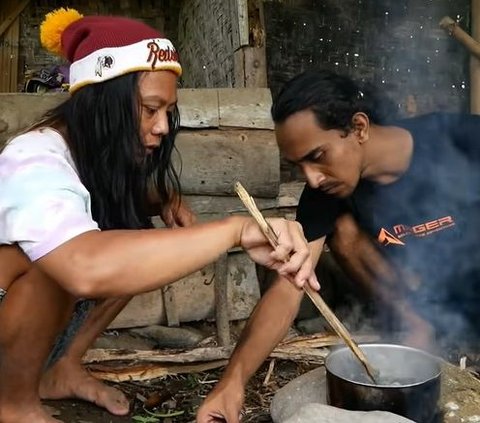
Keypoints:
pixel 308 388
pixel 124 341
pixel 171 337
pixel 321 413
pixel 303 400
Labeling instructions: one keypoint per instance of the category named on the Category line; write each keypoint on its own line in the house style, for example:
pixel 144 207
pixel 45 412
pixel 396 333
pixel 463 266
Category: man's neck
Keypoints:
pixel 388 153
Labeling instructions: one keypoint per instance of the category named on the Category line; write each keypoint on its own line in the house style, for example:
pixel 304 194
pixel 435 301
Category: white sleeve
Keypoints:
pixel 43 204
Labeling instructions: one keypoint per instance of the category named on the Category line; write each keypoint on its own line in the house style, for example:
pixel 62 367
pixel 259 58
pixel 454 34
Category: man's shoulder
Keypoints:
pixel 438 120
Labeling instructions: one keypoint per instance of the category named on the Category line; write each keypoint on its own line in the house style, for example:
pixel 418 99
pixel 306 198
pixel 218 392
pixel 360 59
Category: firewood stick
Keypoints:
pixel 453 29
pixel 331 318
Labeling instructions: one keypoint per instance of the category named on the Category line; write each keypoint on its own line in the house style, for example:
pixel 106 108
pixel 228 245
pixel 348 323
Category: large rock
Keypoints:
pixel 321 413
pixel 308 388
pixel 303 400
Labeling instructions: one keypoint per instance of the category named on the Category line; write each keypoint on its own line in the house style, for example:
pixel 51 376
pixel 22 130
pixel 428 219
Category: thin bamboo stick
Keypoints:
pixel 331 318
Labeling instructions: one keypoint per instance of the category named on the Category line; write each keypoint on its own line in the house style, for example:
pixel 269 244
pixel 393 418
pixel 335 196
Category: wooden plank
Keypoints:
pixel 239 17
pixel 198 108
pixel 245 108
pixel 10 18
pixel 214 160
pixel 222 318
pixel 170 305
pixel 255 67
pixel 14 35
pixel 239 69
pixel 18 110
pixel 288 196
pixel 195 298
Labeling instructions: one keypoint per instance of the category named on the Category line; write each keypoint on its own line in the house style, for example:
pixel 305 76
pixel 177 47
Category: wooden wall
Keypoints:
pixel 9 43
pixel 160 14
pixel 396 44
pixel 205 43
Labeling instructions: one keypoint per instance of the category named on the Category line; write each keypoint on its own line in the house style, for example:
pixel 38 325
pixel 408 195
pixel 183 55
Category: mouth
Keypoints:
pixel 149 150
pixel 330 188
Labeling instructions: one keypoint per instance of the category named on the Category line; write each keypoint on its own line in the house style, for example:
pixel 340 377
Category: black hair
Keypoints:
pixel 333 98
pixel 103 133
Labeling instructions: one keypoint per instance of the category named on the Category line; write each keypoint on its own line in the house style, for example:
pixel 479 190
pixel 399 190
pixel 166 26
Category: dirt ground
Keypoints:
pixel 174 399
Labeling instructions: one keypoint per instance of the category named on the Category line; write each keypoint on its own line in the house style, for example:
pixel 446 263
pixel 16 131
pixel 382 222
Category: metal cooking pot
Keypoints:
pixel 408 381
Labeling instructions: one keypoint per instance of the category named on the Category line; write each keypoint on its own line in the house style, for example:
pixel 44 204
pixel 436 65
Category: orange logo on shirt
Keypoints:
pixel 386 238
pixel 423 229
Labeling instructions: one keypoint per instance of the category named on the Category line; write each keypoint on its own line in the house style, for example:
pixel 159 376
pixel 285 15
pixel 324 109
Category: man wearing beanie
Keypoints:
pixel 76 192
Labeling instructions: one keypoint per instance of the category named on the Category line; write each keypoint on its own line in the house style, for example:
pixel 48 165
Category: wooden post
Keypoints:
pixel 170 305
pixel 250 63
pixel 221 301
pixel 472 44
pixel 475 61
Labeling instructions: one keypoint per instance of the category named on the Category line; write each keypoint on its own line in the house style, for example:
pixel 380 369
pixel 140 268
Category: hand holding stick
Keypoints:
pixel 336 325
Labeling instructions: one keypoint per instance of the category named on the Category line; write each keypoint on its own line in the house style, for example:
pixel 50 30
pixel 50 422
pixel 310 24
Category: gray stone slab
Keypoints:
pixel 321 413
pixel 303 400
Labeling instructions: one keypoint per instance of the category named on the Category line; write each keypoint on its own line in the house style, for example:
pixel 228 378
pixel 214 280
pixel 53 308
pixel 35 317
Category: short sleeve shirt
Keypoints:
pixel 43 203
pixel 428 221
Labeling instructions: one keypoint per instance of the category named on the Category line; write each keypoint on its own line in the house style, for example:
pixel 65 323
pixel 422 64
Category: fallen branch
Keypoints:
pixel 116 365
pixel 148 371
pixel 298 346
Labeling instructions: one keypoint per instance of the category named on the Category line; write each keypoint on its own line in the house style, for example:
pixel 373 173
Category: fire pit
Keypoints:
pixel 408 381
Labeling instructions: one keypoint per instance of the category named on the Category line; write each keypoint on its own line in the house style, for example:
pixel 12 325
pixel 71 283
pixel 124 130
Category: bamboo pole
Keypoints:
pixel 475 61
pixel 472 44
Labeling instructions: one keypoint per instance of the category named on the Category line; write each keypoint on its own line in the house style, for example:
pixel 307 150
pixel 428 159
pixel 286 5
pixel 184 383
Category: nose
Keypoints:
pixel 314 176
pixel 160 127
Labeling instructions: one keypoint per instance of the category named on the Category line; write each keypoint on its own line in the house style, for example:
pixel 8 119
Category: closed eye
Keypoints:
pixel 149 111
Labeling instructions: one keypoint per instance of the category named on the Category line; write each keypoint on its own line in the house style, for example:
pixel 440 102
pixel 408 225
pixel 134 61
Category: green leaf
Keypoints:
pixel 145 419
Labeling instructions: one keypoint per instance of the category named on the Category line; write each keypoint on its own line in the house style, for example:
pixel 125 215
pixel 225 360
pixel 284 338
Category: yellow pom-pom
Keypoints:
pixel 53 26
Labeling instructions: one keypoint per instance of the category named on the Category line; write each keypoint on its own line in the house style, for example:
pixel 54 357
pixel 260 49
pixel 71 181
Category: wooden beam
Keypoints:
pixel 12 16
pixel 212 160
pixel 222 318
pixel 239 18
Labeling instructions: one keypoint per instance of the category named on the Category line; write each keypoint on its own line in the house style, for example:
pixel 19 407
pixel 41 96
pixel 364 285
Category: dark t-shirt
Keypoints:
pixel 428 221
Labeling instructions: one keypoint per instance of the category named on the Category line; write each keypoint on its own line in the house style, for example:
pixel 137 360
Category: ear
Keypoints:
pixel 361 127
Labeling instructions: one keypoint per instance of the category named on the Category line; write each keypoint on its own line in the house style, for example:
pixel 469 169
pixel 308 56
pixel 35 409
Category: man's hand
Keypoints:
pixel 223 404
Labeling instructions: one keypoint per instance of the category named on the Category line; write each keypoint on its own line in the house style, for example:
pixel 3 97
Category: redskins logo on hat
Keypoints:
pixel 103 62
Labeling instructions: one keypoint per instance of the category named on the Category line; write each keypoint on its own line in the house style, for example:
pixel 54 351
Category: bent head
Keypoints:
pixel 322 122
pixel 122 116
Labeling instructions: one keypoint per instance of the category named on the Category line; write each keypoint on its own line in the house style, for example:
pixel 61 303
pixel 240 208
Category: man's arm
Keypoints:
pixel 378 278
pixel 267 326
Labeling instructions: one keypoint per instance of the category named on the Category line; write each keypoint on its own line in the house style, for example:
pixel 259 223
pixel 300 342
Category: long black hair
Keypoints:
pixel 103 133
pixel 333 98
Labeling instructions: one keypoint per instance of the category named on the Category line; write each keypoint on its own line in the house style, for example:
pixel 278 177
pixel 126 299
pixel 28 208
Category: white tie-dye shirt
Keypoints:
pixel 43 204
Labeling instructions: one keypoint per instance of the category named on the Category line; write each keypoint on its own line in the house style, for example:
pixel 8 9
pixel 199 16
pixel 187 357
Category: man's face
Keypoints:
pixel 158 97
pixel 329 160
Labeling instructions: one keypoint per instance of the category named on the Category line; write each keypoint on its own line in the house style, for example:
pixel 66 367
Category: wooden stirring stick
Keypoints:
pixel 336 325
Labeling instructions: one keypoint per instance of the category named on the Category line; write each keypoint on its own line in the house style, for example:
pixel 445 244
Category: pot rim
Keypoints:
pixel 338 350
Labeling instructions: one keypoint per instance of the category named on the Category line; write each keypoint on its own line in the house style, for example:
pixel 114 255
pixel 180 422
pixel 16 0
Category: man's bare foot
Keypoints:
pixel 67 380
pixel 28 414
